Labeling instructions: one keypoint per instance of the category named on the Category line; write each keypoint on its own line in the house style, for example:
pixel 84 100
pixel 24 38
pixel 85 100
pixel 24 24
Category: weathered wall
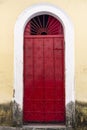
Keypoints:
pixel 9 12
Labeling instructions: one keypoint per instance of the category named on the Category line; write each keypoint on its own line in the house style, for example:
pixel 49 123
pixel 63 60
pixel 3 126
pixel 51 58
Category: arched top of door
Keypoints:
pixel 43 25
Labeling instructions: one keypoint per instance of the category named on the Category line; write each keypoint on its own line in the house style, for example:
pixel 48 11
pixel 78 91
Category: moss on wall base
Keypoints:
pixel 81 114
pixel 6 114
pixel 17 115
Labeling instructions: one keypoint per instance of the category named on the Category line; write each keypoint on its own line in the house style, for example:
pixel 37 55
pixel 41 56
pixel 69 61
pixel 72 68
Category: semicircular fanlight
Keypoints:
pixel 43 25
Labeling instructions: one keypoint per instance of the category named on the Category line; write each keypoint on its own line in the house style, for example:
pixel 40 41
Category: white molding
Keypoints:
pixel 18 49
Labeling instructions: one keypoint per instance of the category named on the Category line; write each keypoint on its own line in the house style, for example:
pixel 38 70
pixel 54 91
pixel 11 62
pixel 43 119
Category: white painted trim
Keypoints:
pixel 18 49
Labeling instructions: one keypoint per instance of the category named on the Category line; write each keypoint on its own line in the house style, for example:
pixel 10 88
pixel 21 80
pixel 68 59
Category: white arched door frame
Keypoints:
pixel 18 49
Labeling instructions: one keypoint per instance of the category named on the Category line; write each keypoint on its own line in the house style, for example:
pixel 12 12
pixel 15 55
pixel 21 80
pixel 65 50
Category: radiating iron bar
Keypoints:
pixel 28 26
pixel 33 24
pixel 47 23
pixel 51 22
pixel 39 22
pixel 53 33
pixel 54 26
pixel 33 30
pixel 55 22
pixel 36 22
pixel 34 27
pixel 53 30
pixel 43 21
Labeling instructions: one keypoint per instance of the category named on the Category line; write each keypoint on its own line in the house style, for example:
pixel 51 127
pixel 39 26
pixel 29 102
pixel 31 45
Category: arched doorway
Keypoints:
pixel 68 33
pixel 44 71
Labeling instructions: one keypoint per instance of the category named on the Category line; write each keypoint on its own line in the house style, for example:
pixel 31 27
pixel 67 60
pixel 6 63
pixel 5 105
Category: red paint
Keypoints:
pixel 44 88
pixel 44 99
pixel 44 25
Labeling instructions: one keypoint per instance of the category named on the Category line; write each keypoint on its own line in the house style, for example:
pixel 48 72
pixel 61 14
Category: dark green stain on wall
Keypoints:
pixel 81 114
pixel 7 113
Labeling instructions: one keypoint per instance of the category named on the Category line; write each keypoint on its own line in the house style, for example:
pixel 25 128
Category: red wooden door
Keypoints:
pixel 44 93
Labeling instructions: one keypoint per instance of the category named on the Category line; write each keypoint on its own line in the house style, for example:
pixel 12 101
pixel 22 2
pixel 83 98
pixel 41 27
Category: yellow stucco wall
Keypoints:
pixel 9 12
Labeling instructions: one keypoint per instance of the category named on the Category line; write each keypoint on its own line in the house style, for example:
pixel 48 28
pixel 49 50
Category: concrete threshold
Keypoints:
pixel 44 127
pixel 37 127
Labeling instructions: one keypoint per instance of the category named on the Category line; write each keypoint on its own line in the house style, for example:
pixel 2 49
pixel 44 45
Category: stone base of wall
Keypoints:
pixel 60 128
pixel 11 115
pixel 81 114
pixel 18 128
pixel 28 128
pixel 6 114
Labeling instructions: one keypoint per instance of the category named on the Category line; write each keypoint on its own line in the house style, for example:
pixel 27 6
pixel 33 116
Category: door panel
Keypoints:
pixel 44 94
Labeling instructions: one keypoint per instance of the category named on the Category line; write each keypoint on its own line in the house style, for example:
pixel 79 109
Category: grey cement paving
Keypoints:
pixel 17 128
pixel 9 128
